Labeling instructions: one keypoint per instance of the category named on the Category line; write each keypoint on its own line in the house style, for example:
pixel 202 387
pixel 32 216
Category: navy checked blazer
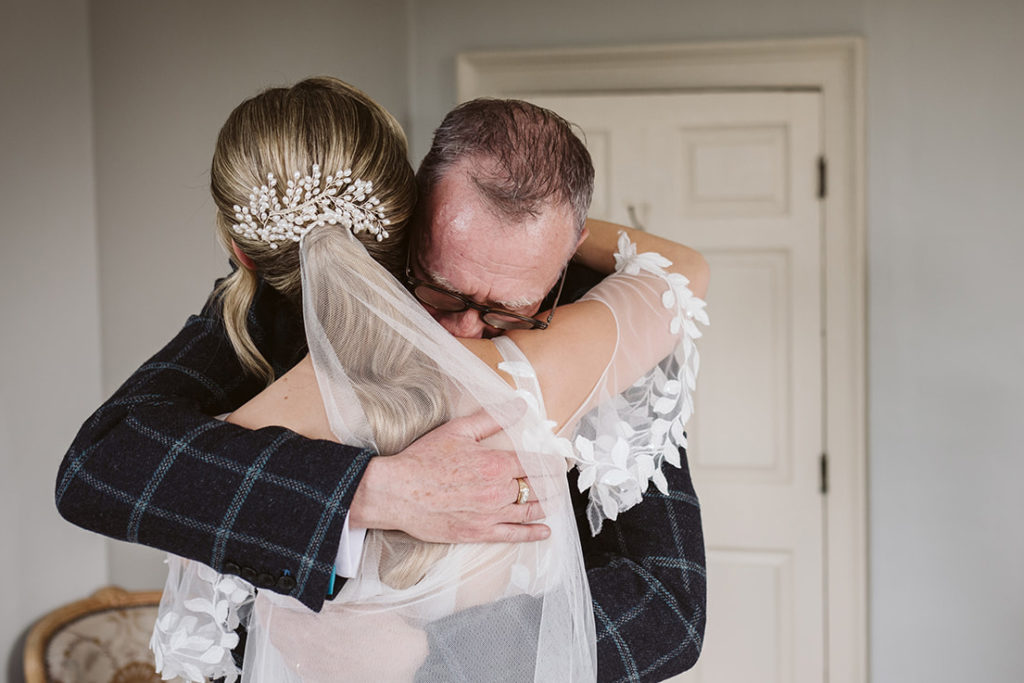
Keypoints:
pixel 152 466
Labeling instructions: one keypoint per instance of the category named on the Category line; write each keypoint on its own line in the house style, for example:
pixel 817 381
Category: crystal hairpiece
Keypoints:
pixel 305 205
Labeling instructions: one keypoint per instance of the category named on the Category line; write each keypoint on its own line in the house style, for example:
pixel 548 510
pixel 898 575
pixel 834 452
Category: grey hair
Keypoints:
pixel 524 157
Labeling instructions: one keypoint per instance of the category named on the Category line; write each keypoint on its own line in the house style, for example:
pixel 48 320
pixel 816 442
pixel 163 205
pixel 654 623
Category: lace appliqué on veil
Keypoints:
pixel 193 637
pixel 542 439
pixel 617 458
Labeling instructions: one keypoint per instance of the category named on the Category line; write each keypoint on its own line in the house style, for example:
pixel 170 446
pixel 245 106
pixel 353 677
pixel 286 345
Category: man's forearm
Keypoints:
pixel 151 466
pixel 370 508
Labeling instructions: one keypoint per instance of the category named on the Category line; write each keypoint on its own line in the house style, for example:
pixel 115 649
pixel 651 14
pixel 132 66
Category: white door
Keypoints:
pixel 735 175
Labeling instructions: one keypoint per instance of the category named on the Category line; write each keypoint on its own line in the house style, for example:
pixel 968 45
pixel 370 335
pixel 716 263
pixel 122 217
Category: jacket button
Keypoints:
pixel 231 568
pixel 249 574
pixel 286 583
pixel 265 580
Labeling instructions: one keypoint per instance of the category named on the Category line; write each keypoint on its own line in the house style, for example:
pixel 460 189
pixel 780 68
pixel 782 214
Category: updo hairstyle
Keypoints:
pixel 321 121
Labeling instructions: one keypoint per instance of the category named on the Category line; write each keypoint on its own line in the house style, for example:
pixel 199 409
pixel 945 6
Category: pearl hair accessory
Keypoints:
pixel 305 205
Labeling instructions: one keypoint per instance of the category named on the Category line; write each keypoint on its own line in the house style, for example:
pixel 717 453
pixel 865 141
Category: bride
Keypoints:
pixel 314 194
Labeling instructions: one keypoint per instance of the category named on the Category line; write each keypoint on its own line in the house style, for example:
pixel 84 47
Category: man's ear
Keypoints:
pixel 583 237
pixel 246 262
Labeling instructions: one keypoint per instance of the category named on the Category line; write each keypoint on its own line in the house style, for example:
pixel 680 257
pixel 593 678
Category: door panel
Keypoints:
pixel 734 175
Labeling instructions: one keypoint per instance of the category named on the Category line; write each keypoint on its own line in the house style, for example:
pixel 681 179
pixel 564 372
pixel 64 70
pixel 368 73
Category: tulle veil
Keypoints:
pixel 388 372
pixel 419 612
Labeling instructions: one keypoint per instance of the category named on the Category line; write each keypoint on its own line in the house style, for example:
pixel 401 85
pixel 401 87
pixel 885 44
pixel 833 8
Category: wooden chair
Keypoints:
pixel 102 639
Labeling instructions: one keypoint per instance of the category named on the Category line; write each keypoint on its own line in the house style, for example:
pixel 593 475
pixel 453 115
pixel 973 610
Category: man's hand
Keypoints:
pixel 446 487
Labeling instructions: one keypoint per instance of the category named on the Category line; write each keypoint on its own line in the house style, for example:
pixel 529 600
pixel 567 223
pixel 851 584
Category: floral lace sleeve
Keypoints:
pixel 633 420
pixel 195 627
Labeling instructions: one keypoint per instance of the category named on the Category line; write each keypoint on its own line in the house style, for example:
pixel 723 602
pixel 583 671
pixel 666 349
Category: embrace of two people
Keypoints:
pixel 435 431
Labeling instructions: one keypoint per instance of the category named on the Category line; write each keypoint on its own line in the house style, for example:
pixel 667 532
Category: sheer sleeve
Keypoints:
pixel 632 421
pixel 195 630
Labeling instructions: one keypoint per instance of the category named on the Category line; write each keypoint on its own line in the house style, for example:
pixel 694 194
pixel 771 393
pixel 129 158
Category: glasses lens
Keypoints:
pixel 504 321
pixel 442 301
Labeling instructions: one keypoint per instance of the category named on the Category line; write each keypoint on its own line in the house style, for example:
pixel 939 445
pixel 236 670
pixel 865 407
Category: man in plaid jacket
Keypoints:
pixel 152 466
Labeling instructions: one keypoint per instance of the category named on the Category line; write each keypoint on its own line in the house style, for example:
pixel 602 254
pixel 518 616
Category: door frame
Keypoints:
pixel 835 68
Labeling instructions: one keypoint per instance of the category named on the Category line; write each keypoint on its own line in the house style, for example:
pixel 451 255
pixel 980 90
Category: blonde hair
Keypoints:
pixel 399 387
pixel 321 121
pixel 328 122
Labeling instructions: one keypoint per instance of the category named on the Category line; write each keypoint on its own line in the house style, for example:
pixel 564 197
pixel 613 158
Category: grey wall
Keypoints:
pixel 49 305
pixel 444 28
pixel 166 76
pixel 945 180
pixel 945 167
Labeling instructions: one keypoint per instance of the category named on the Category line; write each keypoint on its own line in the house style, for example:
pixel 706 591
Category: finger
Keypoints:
pixel 517 489
pixel 514 512
pixel 512 465
pixel 478 425
pixel 531 494
pixel 483 423
pixel 519 533
pixel 538 482
pixel 522 514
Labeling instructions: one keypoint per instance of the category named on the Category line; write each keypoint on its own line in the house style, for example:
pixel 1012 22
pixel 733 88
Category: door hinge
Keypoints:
pixel 824 472
pixel 822 177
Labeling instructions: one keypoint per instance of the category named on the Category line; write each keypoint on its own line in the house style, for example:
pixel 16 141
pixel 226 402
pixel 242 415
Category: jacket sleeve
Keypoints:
pixel 152 466
pixel 648 582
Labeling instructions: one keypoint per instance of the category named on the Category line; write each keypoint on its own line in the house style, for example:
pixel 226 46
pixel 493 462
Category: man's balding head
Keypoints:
pixel 525 158
pixel 504 194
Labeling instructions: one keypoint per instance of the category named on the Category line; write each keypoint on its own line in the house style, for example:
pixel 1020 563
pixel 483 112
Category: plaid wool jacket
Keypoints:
pixel 152 466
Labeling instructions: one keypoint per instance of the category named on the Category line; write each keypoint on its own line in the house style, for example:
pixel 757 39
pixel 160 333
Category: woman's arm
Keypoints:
pixel 597 251
pixel 586 338
pixel 292 401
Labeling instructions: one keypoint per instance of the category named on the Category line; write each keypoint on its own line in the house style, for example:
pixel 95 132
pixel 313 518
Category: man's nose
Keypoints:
pixel 465 324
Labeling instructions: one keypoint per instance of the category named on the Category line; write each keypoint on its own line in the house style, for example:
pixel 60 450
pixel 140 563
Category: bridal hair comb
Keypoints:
pixel 305 205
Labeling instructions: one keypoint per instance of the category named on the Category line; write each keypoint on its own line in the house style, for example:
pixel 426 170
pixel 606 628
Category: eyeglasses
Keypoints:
pixel 452 302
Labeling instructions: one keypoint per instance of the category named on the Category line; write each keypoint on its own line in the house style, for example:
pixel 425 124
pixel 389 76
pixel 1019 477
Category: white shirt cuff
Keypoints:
pixel 350 550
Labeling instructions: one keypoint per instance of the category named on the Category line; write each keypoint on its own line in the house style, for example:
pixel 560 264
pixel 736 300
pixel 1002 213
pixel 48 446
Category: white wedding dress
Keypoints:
pixel 490 612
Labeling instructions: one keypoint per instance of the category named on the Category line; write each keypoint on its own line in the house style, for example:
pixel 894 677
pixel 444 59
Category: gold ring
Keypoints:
pixel 524 491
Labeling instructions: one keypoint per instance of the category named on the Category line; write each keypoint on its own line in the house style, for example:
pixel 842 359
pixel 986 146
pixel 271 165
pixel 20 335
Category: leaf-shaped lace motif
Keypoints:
pixel 195 629
pixel 617 461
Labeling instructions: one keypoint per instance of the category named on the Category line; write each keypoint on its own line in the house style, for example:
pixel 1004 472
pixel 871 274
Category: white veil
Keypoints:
pixel 427 612
pixel 416 611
